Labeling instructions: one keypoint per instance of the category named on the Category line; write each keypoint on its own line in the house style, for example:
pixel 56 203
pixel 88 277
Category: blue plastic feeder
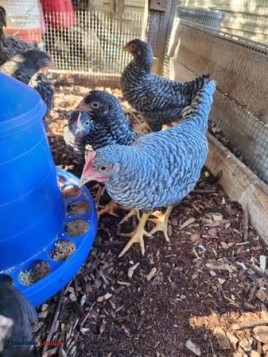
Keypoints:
pixel 34 209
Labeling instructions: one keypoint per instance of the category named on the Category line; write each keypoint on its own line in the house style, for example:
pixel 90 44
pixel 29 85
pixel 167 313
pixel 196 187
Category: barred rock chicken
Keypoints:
pixel 105 125
pixel 10 45
pixel 98 121
pixel 82 132
pixel 25 66
pixel 16 317
pixel 103 107
pixel 160 100
pixel 158 169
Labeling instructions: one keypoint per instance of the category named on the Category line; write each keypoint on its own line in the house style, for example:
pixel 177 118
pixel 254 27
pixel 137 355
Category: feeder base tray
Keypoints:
pixel 49 270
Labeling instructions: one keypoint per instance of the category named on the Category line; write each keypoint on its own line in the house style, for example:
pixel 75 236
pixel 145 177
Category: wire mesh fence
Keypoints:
pixel 94 43
pixel 229 39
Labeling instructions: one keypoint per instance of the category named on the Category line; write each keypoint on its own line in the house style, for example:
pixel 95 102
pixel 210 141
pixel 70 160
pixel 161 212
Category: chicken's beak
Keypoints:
pixel 126 48
pixel 83 181
pixel 87 170
pixel 50 63
pixel 83 107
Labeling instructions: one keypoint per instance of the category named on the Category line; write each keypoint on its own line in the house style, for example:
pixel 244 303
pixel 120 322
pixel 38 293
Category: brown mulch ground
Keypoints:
pixel 192 294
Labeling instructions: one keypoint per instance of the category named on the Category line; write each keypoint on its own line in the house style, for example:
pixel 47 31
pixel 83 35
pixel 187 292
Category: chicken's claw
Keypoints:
pixel 132 212
pixel 109 208
pixel 161 222
pixel 137 235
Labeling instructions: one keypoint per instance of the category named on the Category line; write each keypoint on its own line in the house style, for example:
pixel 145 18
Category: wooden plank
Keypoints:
pixel 257 7
pixel 130 6
pixel 90 80
pixel 240 184
pixel 240 71
pixel 241 18
pixel 158 31
pixel 160 5
pixel 245 132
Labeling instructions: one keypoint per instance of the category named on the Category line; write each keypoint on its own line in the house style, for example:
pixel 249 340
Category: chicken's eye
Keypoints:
pixel 95 105
pixel 103 168
pixel 132 47
pixel 87 122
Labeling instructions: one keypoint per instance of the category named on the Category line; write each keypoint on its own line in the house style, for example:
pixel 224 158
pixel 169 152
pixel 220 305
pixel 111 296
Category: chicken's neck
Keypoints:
pixel 119 127
pixel 142 65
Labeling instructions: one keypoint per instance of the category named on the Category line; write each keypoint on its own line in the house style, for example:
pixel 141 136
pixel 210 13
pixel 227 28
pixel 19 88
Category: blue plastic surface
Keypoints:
pixel 31 207
pixel 32 210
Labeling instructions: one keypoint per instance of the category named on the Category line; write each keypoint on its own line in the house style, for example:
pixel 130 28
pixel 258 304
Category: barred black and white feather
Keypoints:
pixel 105 110
pixel 105 125
pixel 44 87
pixel 159 99
pixel 25 66
pixel 10 46
pixel 159 169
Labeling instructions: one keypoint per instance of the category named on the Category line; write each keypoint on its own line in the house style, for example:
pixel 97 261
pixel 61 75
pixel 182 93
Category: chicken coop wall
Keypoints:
pixel 243 18
pixel 201 42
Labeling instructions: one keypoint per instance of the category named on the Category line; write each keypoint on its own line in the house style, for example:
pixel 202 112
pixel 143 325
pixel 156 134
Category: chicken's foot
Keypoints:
pixel 132 212
pixel 161 222
pixel 137 235
pixel 108 208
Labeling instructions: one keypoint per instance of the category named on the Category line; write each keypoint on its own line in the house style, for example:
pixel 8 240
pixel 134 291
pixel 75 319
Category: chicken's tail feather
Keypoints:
pixel 191 88
pixel 200 106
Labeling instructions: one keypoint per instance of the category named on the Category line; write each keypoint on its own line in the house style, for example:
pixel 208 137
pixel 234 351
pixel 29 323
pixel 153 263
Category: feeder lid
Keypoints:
pixel 17 101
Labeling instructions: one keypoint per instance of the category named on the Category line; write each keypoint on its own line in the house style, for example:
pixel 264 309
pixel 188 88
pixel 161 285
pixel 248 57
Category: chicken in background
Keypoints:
pixel 157 169
pixel 160 100
pixel 10 45
pixel 26 68
pixel 17 316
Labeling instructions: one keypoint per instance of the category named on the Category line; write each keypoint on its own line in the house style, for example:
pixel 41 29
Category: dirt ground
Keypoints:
pixel 204 294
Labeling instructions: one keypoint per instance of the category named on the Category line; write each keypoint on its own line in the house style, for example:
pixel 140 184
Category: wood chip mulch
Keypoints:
pixel 204 294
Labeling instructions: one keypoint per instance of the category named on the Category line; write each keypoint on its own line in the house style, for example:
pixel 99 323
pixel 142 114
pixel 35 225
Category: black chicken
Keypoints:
pixel 159 100
pixel 10 45
pixel 25 66
pixel 16 317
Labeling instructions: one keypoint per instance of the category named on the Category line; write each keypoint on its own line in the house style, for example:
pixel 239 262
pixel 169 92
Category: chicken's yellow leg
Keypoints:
pixel 162 223
pixel 137 235
pixel 108 208
pixel 132 212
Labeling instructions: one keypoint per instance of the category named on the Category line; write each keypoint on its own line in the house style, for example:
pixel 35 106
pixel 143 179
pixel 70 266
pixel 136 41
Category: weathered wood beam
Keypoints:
pixel 240 184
